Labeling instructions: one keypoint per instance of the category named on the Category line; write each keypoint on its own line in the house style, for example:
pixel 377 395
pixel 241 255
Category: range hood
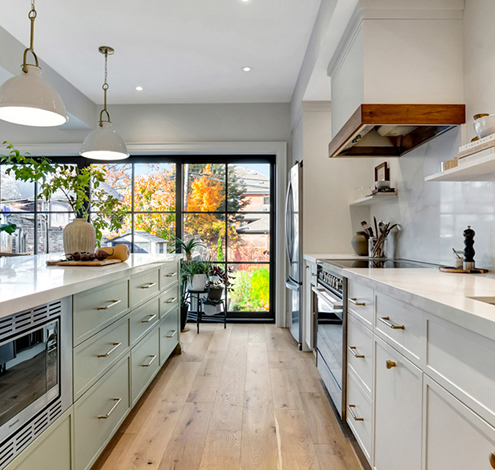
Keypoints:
pixel 391 130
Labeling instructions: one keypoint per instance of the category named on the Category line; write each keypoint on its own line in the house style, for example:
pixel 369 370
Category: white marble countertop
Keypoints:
pixel 445 295
pixel 26 281
pixel 314 257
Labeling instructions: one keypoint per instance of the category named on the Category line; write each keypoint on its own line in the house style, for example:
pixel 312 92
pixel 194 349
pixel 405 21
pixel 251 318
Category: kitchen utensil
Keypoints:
pixel 458 259
pixel 469 250
pixel 367 229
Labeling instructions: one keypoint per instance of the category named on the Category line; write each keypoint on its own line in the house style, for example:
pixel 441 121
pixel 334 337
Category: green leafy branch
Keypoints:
pixel 80 187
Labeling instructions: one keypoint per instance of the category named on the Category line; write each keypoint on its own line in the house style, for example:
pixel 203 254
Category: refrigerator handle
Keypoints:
pixel 288 243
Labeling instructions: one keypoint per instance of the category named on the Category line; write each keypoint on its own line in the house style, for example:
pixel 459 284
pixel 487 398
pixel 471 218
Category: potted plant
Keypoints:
pixel 196 271
pixel 81 189
pixel 218 280
pixel 187 247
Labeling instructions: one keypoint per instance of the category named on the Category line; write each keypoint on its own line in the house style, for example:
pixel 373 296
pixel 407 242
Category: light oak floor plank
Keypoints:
pixel 241 399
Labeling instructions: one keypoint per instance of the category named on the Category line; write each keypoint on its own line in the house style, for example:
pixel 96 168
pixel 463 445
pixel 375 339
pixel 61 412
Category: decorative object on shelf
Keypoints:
pixel 469 249
pixel 359 243
pixel 382 173
pixel 104 143
pixel 218 280
pixel 80 187
pixel 484 124
pixel 377 240
pixel 27 99
pixel 448 164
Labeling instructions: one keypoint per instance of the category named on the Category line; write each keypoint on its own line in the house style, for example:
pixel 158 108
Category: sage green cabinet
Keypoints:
pixel 52 450
pixel 143 287
pixel 145 363
pixel 169 334
pixel 143 320
pixel 169 273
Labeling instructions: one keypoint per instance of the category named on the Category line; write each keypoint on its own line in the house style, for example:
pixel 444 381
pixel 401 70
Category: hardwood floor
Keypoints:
pixel 243 398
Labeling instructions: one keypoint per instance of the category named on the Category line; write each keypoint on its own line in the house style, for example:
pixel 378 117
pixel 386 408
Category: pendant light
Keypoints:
pixel 27 99
pixel 104 143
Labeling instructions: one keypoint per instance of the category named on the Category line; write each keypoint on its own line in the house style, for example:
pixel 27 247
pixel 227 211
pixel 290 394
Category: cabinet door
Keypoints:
pixel 398 410
pixel 455 437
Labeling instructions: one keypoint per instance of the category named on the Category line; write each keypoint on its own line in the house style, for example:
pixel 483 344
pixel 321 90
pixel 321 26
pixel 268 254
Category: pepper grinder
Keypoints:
pixel 469 250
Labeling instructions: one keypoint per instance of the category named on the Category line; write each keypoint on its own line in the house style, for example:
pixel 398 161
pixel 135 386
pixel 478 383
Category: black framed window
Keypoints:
pixel 225 201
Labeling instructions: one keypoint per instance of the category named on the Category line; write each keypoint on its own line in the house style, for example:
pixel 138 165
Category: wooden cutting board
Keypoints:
pixel 105 262
pixel 450 269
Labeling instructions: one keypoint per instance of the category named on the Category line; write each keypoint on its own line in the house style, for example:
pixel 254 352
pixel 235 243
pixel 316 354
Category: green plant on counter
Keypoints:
pixel 80 187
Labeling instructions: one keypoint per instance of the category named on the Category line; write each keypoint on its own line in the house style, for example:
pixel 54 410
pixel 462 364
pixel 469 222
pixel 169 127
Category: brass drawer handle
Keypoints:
pixel 354 301
pixel 391 364
pixel 352 349
pixel 153 357
pixel 115 346
pixel 150 318
pixel 170 301
pixel 387 322
pixel 171 275
pixel 117 403
pixel 351 410
pixel 492 459
pixel 112 304
pixel 171 335
pixel 147 286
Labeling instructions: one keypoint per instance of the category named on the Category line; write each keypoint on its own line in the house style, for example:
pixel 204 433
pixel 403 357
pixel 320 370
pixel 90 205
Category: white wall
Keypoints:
pixel 435 214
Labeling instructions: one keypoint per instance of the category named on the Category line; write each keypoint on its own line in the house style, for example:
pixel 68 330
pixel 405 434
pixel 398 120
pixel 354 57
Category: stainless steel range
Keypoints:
pixel 330 320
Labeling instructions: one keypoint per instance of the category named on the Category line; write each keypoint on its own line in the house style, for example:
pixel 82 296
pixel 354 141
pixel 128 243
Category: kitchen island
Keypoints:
pixel 114 326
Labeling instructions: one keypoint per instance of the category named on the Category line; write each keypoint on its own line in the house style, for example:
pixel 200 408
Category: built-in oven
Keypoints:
pixel 330 332
pixel 35 373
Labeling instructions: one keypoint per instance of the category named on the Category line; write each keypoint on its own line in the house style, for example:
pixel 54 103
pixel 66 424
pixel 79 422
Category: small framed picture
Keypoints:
pixel 382 172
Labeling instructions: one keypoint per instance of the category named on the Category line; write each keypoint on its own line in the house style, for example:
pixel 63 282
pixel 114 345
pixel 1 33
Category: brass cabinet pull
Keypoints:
pixel 351 410
pixel 391 364
pixel 354 301
pixel 153 357
pixel 387 322
pixel 112 304
pixel 151 317
pixel 171 275
pixel 492 459
pixel 115 346
pixel 171 335
pixel 170 301
pixel 352 349
pixel 147 286
pixel 117 403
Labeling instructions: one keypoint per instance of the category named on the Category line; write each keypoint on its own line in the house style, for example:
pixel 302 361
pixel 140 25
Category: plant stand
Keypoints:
pixel 198 315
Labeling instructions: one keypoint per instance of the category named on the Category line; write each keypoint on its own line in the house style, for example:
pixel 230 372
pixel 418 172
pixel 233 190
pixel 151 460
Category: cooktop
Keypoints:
pixel 386 263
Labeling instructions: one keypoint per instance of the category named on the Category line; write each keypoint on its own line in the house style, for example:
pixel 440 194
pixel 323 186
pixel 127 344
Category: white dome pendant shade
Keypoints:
pixel 104 143
pixel 27 99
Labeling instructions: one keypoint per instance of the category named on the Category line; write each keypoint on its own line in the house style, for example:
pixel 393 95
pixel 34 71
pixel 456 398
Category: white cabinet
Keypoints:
pixel 398 410
pixel 310 280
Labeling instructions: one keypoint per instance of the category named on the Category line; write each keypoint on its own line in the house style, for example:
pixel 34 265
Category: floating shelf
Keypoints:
pixel 477 170
pixel 375 199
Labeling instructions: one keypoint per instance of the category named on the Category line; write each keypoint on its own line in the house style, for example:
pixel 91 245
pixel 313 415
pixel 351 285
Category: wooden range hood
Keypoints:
pixel 391 130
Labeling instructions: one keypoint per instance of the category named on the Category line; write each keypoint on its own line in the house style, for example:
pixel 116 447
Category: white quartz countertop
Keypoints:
pixel 26 281
pixel 445 295
pixel 314 257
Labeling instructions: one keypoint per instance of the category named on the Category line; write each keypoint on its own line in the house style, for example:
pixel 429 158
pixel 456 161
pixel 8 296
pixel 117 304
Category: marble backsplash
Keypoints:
pixel 433 215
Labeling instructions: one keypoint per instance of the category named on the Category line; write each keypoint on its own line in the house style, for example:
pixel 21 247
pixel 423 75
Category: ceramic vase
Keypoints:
pixel 360 244
pixel 79 236
pixel 198 282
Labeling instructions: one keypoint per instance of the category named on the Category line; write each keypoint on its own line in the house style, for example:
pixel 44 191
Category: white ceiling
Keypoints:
pixel 179 51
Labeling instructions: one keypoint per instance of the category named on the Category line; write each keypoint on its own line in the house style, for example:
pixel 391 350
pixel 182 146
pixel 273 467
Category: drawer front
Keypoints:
pixel 143 319
pixel 464 363
pixel 99 413
pixel 470 441
pixel 169 334
pixel 143 287
pixel 169 300
pixel 360 352
pixel 402 326
pixel 96 355
pixel 360 414
pixel 169 273
pixel 97 308
pixel 145 364
pixel 361 302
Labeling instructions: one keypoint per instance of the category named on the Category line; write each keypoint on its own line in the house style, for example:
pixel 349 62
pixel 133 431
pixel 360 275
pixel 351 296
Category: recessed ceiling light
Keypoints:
pixel 246 69
pixel 245 1
pixel 139 88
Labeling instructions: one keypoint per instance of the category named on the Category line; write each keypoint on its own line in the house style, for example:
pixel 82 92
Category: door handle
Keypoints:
pixel 151 317
pixel 153 357
pixel 115 346
pixel 386 321
pixel 117 403
pixel 354 301
pixel 147 286
pixel 351 410
pixel 352 349
pixel 112 304
pixel 391 364
pixel 171 335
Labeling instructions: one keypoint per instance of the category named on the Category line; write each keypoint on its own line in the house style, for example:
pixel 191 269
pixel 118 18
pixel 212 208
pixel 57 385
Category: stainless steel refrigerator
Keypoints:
pixel 293 245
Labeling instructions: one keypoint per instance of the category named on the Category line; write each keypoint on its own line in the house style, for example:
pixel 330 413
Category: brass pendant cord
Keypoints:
pixel 32 16
pixel 105 50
